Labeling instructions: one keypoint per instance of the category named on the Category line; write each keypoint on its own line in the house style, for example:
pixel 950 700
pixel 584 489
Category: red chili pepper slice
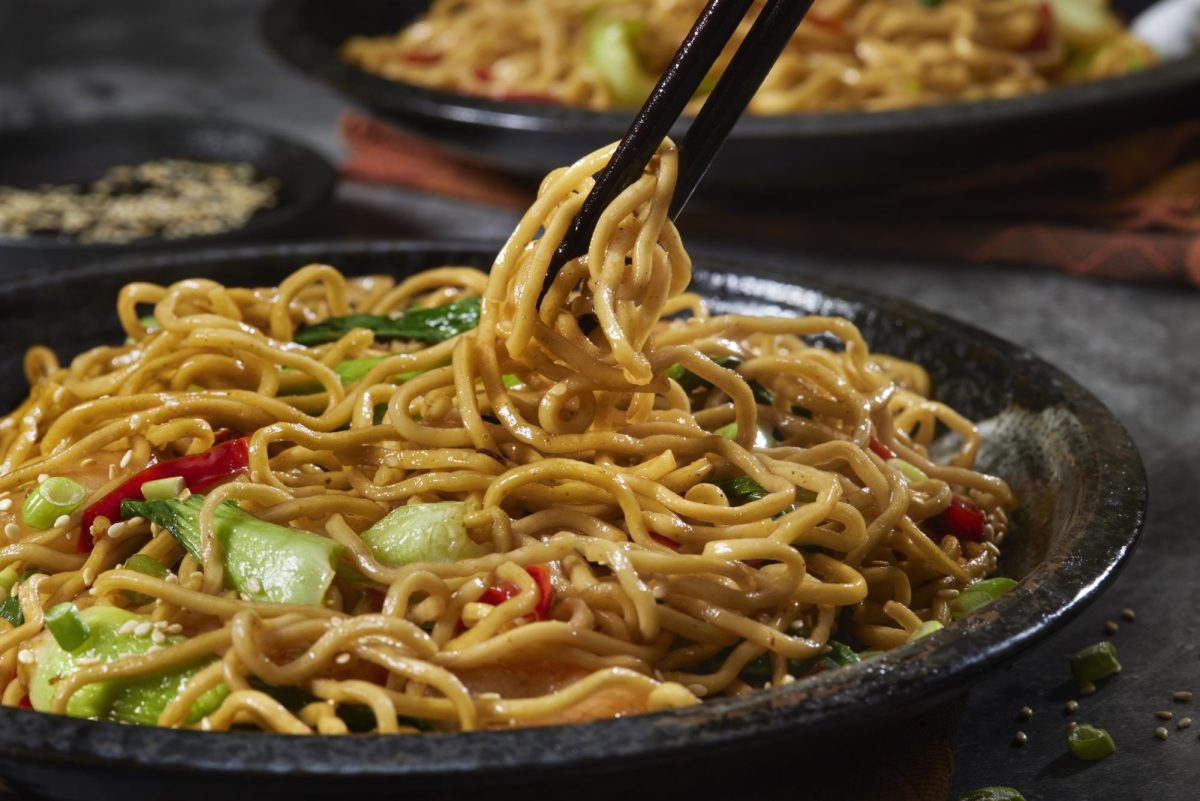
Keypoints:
pixel 881 450
pixel 962 519
pixel 199 472
pixel 506 590
pixel 1045 32
pixel 25 703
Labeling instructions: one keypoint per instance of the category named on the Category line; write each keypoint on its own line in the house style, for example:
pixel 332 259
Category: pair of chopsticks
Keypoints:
pixel 766 39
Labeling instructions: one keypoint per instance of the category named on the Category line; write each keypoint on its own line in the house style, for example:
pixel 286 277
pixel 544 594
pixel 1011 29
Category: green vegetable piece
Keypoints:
pixel 48 501
pixel 912 474
pixel 743 489
pixel 1083 24
pixel 840 655
pixel 162 488
pixel 138 701
pixel 925 629
pixel 1095 662
pixel 762 437
pixel 421 532
pixel 142 563
pixel 10 610
pixel 67 626
pixel 992 794
pixel 264 561
pixel 8 580
pixel 979 594
pixel 510 380
pixel 150 323
pixel 1090 742
pixel 431 325
pixel 611 50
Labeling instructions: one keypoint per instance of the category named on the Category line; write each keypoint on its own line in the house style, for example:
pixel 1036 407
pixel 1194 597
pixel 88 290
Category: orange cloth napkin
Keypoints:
pixel 1127 208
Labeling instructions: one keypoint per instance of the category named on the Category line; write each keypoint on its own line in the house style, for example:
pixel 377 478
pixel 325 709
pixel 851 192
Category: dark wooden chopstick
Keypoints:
pixel 675 89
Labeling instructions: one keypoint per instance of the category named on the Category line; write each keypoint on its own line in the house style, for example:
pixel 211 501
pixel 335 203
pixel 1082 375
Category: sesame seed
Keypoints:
pixel 243 596
pixel 42 477
pixel 1183 723
pixel 205 724
pixel 1163 714
pixel 788 678
pixel 25 657
pixel 12 531
pixel 253 585
pixel 116 530
pixel 1024 713
pixel 153 649
pixel 85 661
pixel 126 459
pixel 6 504
pixel 1110 626
pixel 88 462
pixel 1128 614
pixel 698 690
pixel 112 472
pixel 1182 695
pixel 1087 688
pixel 160 625
pixel 658 591
pixel 142 629
pixel 1161 733
pixel 62 520
pixel 157 636
pixel 127 627
pixel 171 578
pixel 1071 706
pixel 1072 726
pixel 1020 738
pixel 174 628
pixel 342 659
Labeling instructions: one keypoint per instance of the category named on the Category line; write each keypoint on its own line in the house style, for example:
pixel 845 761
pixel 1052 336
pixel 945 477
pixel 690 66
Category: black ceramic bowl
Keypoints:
pixel 827 151
pixel 77 153
pixel 1079 478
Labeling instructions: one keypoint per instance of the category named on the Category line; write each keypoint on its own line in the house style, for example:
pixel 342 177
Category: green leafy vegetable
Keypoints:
pixel 611 50
pixel 978 595
pixel 421 532
pixel 1095 662
pixel 1089 743
pixel 436 324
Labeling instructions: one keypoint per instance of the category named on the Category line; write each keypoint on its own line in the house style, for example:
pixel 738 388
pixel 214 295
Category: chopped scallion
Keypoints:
pixel 912 474
pixel 163 488
pixel 979 594
pixel 8 580
pixel 50 500
pixel 10 610
pixel 141 563
pixel 1090 742
pixel 70 630
pixel 1095 662
pixel 925 629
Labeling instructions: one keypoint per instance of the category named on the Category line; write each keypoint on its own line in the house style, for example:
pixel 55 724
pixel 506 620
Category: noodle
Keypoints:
pixel 848 54
pixel 613 560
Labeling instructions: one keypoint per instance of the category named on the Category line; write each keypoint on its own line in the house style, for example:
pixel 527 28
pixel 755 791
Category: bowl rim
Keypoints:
pixel 307 52
pixel 313 192
pixel 1112 508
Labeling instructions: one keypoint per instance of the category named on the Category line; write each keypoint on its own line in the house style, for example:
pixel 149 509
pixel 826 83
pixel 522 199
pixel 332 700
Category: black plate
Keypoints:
pixel 828 151
pixel 74 153
pixel 1078 476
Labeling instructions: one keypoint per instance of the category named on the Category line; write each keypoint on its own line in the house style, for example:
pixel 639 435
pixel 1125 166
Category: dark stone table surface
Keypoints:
pixel 1136 347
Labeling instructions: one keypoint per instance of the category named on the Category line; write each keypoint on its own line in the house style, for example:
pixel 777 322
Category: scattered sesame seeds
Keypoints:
pixel 160 624
pixel 658 590
pixel 1072 726
pixel 12 531
pixel 1024 713
pixel 788 678
pixel 157 636
pixel 1163 714
pixel 112 472
pixel 243 596
pixel 88 462
pixel 171 578
pixel 1071 707
pixel 253 585
pixel 698 690
pixel 127 627
pixel 153 649
pixel 62 520
pixel 1111 627
pixel 6 504
pixel 205 724
pixel 174 628
pixel 1087 688
pixel 25 656
pixel 42 477
pixel 342 659
pixel 116 530
pixel 126 459
pixel 1161 733
pixel 142 629
pixel 1128 614
pixel 1020 738
pixel 1183 723
pixel 85 661
pixel 1182 696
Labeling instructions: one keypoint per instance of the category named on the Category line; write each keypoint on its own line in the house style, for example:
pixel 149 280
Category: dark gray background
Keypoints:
pixel 1135 347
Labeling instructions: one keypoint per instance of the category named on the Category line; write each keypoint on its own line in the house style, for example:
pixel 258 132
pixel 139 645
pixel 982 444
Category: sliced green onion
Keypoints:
pixel 69 629
pixel 912 474
pixel 925 629
pixel 1090 742
pixel 992 794
pixel 163 488
pixel 148 565
pixel 150 323
pixel 8 580
pixel 10 610
pixel 50 500
pixel 510 380
pixel 979 594
pixel 1095 662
